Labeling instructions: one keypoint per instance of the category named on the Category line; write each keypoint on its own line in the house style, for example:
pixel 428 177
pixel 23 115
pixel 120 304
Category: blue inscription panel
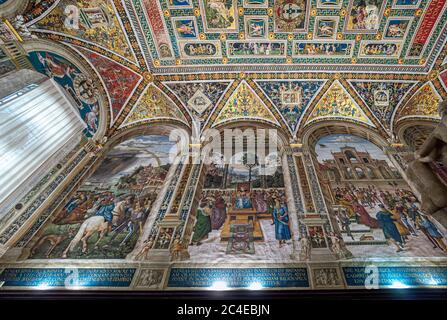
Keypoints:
pixel 239 278
pixel 60 277
pixel 397 276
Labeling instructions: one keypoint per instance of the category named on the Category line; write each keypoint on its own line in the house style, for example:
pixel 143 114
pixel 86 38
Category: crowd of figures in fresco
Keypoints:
pixel 270 204
pixel 242 211
pixel 105 218
pixel 397 214
pixel 375 207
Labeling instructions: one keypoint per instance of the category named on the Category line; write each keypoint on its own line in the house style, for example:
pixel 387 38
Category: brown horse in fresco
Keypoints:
pixel 76 216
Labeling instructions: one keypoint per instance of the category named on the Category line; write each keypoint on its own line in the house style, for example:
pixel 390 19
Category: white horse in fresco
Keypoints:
pixel 92 225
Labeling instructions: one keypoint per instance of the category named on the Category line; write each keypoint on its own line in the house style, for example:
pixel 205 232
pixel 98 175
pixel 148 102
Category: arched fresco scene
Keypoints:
pixel 189 145
pixel 106 215
pixel 375 209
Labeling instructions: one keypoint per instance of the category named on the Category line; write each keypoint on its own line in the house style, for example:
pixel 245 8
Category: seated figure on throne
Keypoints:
pixel 243 197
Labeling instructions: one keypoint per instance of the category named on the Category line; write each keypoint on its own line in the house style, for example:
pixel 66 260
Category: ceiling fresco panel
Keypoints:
pixel 244 104
pixel 425 29
pixel 98 23
pixel 293 34
pixel 79 86
pixel 119 81
pixel 364 16
pixel 291 98
pixel 158 27
pixel 153 105
pixel 336 103
pixel 424 103
pixel 199 97
pixel 382 97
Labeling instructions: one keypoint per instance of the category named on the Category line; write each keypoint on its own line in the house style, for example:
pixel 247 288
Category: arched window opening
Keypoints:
pixel 38 127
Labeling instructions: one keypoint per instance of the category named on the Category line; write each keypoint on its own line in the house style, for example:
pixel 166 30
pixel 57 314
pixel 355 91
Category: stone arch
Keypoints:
pixel 314 132
pixel 414 132
pixel 360 173
pixel 10 8
pixel 371 172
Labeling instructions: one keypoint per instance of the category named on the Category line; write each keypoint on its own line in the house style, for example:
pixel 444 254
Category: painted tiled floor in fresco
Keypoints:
pixel 416 246
pixel 214 251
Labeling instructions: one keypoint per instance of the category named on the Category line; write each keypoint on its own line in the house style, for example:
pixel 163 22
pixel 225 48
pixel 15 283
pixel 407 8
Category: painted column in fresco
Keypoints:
pixel 294 202
pixel 160 229
pixel 324 240
pixel 400 156
pixel 182 238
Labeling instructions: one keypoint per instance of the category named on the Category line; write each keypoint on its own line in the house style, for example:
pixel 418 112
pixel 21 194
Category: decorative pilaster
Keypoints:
pixel 294 202
pixel 320 236
pixel 158 237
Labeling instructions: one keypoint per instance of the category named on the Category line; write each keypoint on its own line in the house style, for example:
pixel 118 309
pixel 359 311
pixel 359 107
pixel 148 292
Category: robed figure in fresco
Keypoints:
pixel 219 212
pixel 386 222
pixel 363 216
pixel 432 232
pixel 281 216
pixel 243 201
pixel 203 223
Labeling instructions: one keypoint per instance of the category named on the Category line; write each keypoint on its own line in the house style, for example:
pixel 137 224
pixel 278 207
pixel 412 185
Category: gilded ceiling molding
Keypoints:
pixel 289 76
pixel 440 60
pixel 134 41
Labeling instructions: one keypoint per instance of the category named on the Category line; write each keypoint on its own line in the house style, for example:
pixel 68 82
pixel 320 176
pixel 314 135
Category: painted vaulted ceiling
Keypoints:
pixel 287 62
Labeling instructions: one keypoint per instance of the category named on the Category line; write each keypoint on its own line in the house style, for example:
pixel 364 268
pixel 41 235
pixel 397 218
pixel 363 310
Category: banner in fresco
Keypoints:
pixel 429 21
pixel 66 277
pixel 239 278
